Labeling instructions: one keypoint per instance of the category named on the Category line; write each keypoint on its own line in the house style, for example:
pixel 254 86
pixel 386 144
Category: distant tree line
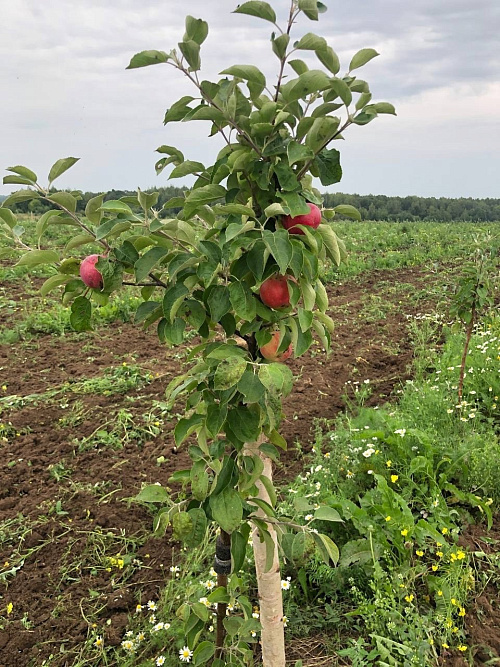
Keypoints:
pixel 371 207
pixel 432 209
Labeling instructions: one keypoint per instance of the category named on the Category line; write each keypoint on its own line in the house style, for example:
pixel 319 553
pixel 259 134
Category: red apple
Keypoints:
pixel 268 351
pixel 312 219
pixel 89 274
pixel 274 291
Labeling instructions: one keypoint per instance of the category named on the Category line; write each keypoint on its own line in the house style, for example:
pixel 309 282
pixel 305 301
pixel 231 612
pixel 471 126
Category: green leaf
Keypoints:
pixel 298 66
pixel 201 196
pixel 199 480
pixel 274 210
pixel 251 387
pixel 331 243
pixel 227 509
pixel 325 513
pixel 276 378
pixel 186 426
pixel 220 594
pixel 154 493
pixel 216 416
pixel 295 203
pixel 248 73
pixel 328 549
pixel 181 525
pixel 8 217
pixel 116 206
pixel 19 196
pixel 61 166
pixel 186 168
pixel 146 309
pixel 361 58
pixel 234 209
pixel 16 180
pixel 171 332
pixel 199 527
pixel 310 8
pixel 218 302
pixel 311 42
pixel 244 424
pixel 278 440
pixel 280 45
pixel 286 177
pixel 297 152
pixel 305 318
pixel 196 30
pixel 339 88
pixel 238 550
pixel 191 52
pixel 279 245
pixel 385 107
pixel 93 211
pixel 348 210
pixel 311 81
pixel 261 10
pixel 24 171
pixel 145 58
pixel 235 229
pixel 328 163
pixel 52 282
pixel 37 257
pixel 329 59
pixel 81 312
pixel 144 265
pixel 322 132
pixel 203 653
pixel 229 373
pixel 147 199
pixel 172 300
pixel 65 199
pixel 242 301
pixel 78 240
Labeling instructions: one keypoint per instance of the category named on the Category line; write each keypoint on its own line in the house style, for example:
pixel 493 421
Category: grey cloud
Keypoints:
pixel 65 88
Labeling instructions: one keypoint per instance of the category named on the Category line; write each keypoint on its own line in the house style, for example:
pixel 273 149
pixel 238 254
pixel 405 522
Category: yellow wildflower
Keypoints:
pixel 404 532
pixel 387 518
pixel 388 463
pixel 394 478
pixel 462 647
pixel 444 530
pixel 419 552
pixel 10 607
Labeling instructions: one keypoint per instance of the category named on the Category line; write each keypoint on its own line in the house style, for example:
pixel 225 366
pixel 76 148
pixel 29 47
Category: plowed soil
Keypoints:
pixel 52 604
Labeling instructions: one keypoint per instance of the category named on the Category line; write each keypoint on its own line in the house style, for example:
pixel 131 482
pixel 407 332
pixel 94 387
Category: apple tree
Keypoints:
pixel 240 265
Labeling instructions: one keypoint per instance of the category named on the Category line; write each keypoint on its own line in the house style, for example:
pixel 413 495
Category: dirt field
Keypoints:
pixel 45 590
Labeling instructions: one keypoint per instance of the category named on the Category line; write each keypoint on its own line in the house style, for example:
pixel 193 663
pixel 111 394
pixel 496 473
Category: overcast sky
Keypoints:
pixel 65 90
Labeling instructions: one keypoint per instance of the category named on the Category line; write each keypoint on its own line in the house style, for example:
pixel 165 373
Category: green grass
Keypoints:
pixel 394 245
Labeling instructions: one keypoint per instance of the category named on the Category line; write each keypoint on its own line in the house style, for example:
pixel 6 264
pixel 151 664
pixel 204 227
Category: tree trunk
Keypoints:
pixel 269 583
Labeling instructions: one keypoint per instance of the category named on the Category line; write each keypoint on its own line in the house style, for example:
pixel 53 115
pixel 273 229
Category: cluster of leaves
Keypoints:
pixel 202 269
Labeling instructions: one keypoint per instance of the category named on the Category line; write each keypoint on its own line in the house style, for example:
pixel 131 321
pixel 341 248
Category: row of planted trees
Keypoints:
pixel 241 265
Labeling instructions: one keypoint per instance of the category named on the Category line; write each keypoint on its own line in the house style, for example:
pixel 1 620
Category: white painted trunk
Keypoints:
pixel 269 583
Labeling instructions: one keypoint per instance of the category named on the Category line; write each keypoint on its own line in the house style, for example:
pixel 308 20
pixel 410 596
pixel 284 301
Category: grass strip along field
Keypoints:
pixel 376 431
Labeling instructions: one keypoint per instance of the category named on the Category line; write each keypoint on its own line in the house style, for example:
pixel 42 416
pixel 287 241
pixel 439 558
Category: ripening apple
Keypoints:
pixel 311 219
pixel 269 350
pixel 274 291
pixel 89 274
